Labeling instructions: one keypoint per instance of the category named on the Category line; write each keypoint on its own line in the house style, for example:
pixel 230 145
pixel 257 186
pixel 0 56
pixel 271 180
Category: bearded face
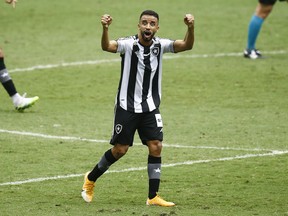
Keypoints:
pixel 148 26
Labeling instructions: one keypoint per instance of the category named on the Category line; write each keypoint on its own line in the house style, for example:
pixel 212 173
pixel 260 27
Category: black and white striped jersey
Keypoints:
pixel 139 88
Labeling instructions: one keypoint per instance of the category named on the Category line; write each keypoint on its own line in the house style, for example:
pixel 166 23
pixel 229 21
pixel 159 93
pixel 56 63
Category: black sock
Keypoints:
pixel 106 161
pixel 2 64
pixel 10 87
pixel 153 187
pixel 154 172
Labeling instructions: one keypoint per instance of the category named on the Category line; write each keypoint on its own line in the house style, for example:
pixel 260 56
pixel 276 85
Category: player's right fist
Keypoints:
pixel 106 20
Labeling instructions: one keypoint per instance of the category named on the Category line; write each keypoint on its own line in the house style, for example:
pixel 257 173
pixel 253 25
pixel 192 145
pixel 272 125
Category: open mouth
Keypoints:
pixel 147 33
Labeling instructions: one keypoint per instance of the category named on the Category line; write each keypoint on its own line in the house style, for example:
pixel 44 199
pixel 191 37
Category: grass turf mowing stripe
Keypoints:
pixel 246 156
pixel 71 138
pixel 97 62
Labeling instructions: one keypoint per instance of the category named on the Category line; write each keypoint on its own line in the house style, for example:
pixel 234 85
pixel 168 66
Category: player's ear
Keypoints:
pixel 158 27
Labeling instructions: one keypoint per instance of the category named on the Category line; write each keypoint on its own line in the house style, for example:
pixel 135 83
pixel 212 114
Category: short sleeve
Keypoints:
pixel 123 44
pixel 168 45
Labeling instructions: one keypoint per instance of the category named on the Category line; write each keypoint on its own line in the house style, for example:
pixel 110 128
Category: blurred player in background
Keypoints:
pixel 12 2
pixel 138 98
pixel 263 10
pixel 20 102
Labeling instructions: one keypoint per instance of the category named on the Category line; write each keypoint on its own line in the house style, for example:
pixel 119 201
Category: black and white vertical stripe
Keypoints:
pixel 141 74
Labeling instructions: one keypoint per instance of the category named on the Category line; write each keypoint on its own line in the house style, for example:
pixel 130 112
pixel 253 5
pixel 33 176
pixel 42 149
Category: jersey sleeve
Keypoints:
pixel 123 44
pixel 168 45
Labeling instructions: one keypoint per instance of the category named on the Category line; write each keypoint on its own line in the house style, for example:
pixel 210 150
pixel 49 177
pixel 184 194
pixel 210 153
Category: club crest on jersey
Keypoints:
pixel 155 51
pixel 118 128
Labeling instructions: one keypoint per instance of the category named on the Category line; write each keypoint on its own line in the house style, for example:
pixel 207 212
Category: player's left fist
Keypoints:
pixel 189 20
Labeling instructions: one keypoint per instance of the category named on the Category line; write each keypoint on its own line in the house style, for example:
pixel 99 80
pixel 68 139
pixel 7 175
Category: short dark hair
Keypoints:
pixel 150 13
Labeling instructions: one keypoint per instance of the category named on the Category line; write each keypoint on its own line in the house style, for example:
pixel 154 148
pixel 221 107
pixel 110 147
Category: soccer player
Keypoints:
pixel 20 102
pixel 263 9
pixel 138 97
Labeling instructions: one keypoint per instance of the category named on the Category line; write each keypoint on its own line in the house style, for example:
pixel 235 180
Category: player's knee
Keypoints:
pixel 155 147
pixel 119 150
pixel 263 11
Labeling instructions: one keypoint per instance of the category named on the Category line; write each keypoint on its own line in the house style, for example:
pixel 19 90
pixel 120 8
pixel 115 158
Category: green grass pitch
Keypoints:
pixel 225 117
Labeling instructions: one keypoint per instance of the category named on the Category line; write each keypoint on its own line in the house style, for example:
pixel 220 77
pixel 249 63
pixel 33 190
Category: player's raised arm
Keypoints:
pixel 107 45
pixel 12 2
pixel 188 41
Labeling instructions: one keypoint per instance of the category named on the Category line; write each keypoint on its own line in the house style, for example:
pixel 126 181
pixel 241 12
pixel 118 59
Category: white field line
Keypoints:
pixel 45 136
pixel 274 153
pixel 105 61
pixel 70 138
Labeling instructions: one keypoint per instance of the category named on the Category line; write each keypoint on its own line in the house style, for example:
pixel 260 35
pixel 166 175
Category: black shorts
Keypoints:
pixel 267 2
pixel 149 126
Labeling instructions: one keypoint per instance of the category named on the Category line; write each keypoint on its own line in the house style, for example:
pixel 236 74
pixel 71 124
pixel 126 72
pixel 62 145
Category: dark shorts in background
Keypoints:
pixel 267 2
